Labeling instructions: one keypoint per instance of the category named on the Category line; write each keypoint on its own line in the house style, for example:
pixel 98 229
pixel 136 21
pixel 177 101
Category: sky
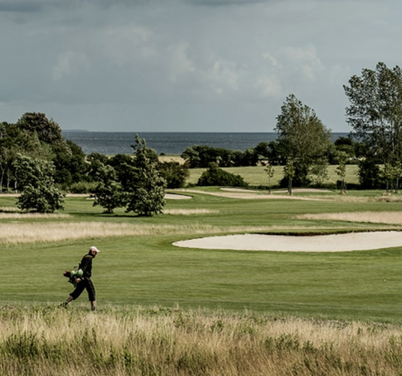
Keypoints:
pixel 188 65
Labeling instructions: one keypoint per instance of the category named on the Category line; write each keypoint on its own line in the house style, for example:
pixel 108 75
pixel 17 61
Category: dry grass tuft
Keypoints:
pixel 368 217
pixel 189 211
pixel 163 341
pixel 22 232
pixel 9 209
pixel 16 214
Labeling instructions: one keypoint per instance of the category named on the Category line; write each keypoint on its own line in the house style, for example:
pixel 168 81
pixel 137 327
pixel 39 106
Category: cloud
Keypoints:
pixel 20 6
pixel 180 64
pixel 69 63
pixel 218 3
pixel 223 76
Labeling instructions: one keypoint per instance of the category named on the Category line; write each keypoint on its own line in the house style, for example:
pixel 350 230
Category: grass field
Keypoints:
pixel 256 176
pixel 164 310
pixel 140 266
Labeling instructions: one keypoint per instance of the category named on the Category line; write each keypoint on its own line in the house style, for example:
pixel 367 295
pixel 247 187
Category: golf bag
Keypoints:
pixel 73 275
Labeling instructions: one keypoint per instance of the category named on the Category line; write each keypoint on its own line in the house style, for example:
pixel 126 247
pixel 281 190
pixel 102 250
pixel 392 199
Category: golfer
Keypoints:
pixel 85 282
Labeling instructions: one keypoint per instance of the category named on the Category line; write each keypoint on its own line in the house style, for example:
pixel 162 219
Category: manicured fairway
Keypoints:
pixel 145 269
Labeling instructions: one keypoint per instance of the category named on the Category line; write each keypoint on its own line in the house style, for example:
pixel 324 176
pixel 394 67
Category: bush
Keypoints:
pixel 215 176
pixel 82 187
pixel 174 173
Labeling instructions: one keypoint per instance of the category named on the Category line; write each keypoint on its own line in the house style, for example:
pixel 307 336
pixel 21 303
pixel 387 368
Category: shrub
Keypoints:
pixel 215 176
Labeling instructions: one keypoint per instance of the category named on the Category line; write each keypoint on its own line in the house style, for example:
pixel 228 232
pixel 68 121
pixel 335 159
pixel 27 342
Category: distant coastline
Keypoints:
pixel 74 130
pixel 168 143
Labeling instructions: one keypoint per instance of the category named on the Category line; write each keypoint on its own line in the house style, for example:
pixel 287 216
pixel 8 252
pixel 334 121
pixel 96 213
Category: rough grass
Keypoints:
pixel 256 175
pixel 190 211
pixel 28 232
pixel 19 233
pixel 369 217
pixel 162 341
pixel 145 269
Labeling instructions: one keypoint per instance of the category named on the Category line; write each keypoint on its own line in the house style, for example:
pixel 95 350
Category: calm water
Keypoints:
pixel 110 143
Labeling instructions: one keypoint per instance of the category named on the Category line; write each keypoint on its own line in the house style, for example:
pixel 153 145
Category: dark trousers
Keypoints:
pixel 84 284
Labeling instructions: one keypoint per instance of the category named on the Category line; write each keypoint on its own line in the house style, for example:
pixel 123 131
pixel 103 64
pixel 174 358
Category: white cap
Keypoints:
pixel 94 249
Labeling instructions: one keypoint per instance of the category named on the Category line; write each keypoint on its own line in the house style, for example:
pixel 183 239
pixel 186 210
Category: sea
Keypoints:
pixel 168 143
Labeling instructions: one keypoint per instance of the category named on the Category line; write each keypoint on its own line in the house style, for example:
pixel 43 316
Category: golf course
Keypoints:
pixel 167 307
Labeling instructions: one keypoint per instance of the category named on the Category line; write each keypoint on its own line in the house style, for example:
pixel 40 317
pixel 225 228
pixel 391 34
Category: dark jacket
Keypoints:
pixel 86 266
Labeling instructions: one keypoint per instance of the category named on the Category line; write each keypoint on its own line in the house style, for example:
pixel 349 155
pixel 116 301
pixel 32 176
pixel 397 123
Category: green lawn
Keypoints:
pixel 147 270
pixel 256 176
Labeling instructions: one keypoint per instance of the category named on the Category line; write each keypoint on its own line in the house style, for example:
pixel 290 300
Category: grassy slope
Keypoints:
pixel 148 270
pixel 256 176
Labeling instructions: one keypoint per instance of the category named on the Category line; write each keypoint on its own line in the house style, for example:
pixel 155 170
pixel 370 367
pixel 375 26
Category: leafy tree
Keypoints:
pixel 345 145
pixel 375 113
pixel 70 163
pixel 341 170
pixel 249 157
pixel 5 153
pixel 174 173
pixel 304 138
pixel 192 157
pixel 215 176
pixel 35 178
pixel 391 175
pixel 47 130
pixel 13 141
pixel 96 161
pixel 146 187
pixel 122 164
pixel 108 192
pixel 269 169
pixel 319 172
pixel 369 173
pixel 277 153
pixel 289 173
pixel 200 156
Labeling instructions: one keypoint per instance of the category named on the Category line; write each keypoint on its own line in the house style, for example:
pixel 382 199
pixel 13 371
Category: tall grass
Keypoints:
pixel 44 341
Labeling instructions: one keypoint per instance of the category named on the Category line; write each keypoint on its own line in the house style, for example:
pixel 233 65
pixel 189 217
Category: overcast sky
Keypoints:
pixel 188 65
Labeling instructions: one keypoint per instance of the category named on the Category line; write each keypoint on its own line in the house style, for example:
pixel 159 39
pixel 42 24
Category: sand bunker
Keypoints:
pixel 320 243
pixel 173 196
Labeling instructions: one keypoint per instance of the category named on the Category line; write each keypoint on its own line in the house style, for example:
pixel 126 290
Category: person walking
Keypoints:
pixel 84 282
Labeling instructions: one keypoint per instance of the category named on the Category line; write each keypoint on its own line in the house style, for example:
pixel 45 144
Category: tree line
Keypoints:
pixel 37 161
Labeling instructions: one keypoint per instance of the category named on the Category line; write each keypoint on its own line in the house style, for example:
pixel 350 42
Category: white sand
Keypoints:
pixel 173 196
pixel 320 243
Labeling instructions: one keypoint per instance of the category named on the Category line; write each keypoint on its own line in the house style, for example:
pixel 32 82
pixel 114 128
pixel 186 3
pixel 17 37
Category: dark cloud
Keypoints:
pixel 20 6
pixel 24 6
pixel 224 2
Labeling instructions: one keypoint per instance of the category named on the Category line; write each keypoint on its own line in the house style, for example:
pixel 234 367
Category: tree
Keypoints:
pixel 345 145
pixel 47 130
pixel 146 187
pixel 202 155
pixel 96 161
pixel 341 170
pixel 369 173
pixel 303 137
pixel 269 169
pixel 375 112
pixel 319 171
pixel 391 175
pixel 122 164
pixel 215 176
pixel 13 141
pixel 289 172
pixel 174 173
pixel 108 192
pixel 35 179
pixel 70 163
